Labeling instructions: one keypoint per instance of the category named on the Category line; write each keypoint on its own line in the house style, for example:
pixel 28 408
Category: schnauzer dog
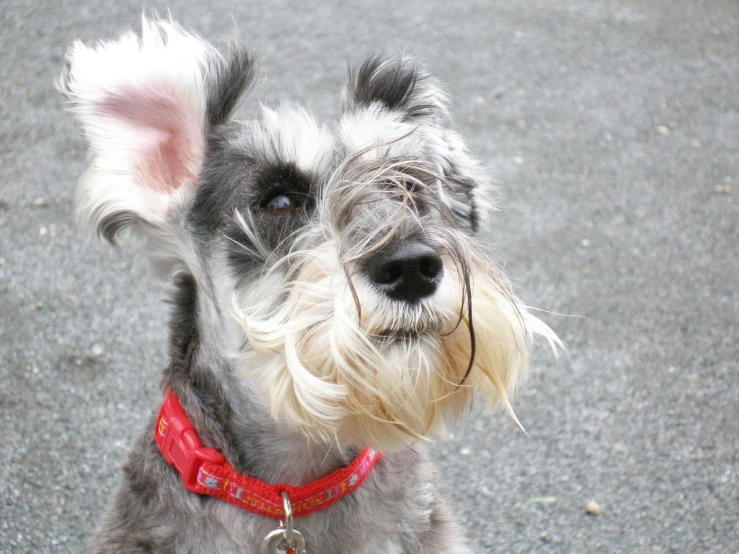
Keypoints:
pixel 331 308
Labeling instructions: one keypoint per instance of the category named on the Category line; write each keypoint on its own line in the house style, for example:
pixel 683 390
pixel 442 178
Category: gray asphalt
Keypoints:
pixel 614 128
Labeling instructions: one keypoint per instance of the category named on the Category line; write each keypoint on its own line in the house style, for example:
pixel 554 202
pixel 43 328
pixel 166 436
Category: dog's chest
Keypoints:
pixel 389 512
pixel 233 531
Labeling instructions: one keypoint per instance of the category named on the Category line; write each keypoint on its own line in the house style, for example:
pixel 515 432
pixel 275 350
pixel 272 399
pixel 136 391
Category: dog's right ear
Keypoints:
pixel 145 105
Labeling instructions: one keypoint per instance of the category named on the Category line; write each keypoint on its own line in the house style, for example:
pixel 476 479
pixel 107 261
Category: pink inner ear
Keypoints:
pixel 168 135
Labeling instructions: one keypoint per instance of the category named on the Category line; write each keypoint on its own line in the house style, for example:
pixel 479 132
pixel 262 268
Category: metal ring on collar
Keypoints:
pixel 288 509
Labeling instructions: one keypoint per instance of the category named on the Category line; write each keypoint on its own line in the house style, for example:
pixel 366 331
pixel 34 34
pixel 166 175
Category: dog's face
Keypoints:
pixel 342 254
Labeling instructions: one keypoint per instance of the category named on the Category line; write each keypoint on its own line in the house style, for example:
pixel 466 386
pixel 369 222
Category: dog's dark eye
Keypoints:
pixel 281 204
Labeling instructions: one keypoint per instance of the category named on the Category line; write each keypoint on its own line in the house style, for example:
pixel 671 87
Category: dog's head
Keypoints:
pixel 340 255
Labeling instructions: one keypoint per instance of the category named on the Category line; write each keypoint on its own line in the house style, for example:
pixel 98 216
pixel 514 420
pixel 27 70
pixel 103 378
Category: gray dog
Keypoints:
pixel 331 308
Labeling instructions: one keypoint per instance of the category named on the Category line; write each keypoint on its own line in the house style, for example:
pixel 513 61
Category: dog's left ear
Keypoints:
pixel 396 84
pixel 146 104
pixel 402 86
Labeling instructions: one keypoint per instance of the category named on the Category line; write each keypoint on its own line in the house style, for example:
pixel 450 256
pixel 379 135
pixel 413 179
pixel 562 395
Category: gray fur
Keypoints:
pixel 396 510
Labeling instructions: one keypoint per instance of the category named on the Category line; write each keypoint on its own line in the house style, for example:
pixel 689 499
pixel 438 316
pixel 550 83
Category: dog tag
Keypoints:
pixel 277 542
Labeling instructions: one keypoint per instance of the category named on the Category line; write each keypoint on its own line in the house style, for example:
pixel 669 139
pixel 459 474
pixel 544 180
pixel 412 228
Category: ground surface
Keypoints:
pixel 614 128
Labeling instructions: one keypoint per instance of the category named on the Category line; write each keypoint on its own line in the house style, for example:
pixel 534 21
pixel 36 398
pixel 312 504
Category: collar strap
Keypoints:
pixel 206 471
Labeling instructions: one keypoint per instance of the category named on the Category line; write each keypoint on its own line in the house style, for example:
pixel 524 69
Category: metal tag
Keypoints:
pixel 285 539
pixel 277 541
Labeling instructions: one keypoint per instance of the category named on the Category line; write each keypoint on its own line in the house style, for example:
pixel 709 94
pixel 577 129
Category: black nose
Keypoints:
pixel 409 271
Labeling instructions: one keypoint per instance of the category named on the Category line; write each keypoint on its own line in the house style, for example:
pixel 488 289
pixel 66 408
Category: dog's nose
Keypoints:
pixel 411 270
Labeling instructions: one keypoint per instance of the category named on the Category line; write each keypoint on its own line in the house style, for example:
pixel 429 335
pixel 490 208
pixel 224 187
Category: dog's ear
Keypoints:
pixel 400 85
pixel 145 105
pixel 463 186
pixel 397 84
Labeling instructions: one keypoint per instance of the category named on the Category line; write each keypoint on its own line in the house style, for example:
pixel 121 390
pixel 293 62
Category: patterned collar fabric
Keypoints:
pixel 205 471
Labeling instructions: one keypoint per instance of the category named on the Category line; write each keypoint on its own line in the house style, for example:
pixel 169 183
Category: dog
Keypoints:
pixel 332 308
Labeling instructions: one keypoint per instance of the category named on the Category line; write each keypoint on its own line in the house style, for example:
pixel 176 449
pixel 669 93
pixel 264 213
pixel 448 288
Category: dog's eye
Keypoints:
pixel 281 204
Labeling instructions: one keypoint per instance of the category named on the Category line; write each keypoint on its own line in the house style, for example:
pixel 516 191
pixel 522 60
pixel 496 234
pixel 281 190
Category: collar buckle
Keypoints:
pixel 179 443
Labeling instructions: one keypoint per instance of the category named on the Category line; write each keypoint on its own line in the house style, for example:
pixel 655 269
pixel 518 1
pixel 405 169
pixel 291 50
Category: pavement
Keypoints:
pixel 613 127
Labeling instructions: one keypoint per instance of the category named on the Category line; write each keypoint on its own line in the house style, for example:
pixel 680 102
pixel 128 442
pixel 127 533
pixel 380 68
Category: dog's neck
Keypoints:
pixel 226 410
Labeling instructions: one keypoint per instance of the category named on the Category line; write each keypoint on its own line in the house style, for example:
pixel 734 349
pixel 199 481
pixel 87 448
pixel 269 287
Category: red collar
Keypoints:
pixel 205 471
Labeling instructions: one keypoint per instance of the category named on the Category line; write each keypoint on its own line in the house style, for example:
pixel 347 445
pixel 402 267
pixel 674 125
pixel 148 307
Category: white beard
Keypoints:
pixel 390 370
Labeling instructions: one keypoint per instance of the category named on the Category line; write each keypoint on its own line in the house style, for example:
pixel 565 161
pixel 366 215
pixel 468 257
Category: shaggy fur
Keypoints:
pixel 286 352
